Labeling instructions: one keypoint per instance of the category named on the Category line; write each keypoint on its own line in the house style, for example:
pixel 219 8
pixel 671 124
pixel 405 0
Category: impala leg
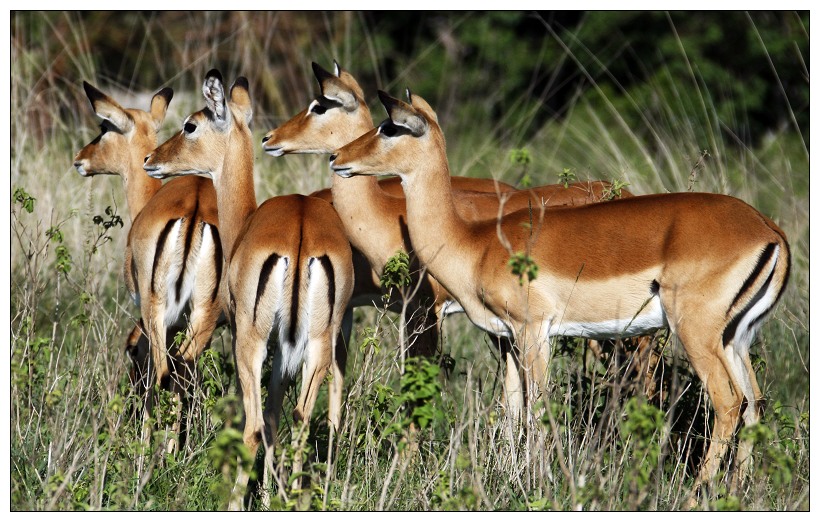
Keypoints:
pixel 198 332
pixel 742 366
pixel 249 351
pixel 513 385
pixel 337 368
pixel 536 365
pixel 153 312
pixel 138 350
pixel 710 364
pixel 317 362
pixel 648 365
pixel 277 387
pixel 154 316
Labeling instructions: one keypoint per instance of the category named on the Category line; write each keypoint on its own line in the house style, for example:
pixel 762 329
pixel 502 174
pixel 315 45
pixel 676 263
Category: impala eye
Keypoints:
pixel 189 127
pixel 388 129
pixel 317 108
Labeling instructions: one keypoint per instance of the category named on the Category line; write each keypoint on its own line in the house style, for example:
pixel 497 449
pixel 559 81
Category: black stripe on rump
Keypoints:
pixel 163 236
pixel 134 273
pixel 217 260
pixel 764 258
pixel 731 328
pixel 264 275
pixel 327 266
pixel 294 298
pixel 189 239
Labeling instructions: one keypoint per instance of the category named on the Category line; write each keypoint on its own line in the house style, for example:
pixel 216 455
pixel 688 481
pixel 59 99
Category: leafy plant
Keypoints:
pixel 420 391
pixel 614 190
pixel 396 272
pixel 566 177
pixel 521 158
pixel 523 265
pixel 24 199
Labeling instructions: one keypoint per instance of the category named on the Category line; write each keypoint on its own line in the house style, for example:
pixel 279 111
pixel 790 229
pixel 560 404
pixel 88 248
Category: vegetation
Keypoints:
pixel 659 101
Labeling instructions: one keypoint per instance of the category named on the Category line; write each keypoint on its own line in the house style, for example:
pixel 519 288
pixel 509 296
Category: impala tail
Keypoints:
pixel 759 293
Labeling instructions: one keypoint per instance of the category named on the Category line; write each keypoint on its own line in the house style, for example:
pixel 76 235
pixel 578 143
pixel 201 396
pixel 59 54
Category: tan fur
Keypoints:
pixel 626 266
pixel 130 134
pixel 265 249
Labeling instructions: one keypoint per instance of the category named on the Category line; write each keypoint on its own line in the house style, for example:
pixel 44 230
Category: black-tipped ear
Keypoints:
pixel 167 93
pixel 241 97
pixel 241 82
pixel 159 105
pixel 92 92
pixel 320 73
pixel 214 73
pixel 387 100
pixel 403 114
pixel 107 108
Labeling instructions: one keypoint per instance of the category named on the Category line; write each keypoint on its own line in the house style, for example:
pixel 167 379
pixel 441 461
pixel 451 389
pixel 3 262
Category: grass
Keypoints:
pixel 601 445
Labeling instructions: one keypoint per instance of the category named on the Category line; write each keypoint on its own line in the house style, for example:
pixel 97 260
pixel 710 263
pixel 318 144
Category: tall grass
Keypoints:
pixel 75 422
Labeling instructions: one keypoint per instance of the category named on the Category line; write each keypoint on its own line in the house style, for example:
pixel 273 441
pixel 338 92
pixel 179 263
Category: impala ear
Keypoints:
pixel 421 105
pixel 159 105
pixel 108 109
pixel 241 97
pixel 333 88
pixel 404 115
pixel 214 93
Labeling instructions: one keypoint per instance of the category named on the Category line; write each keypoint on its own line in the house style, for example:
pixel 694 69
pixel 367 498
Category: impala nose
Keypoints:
pixel 333 157
pixel 266 138
pixel 146 158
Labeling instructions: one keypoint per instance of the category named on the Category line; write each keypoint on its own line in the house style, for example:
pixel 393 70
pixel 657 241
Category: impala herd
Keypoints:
pixel 200 251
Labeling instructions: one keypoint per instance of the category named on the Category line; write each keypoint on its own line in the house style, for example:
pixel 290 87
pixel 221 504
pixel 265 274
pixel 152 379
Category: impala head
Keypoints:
pixel 206 136
pixel 336 117
pixel 126 135
pixel 406 142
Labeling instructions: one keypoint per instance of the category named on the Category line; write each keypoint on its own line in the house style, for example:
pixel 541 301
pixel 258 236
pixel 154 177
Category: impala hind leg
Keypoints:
pixel 707 357
pixel 249 352
pixel 738 355
pixel 513 389
pixel 318 357
pixel 338 365
pixel 535 364
pixel 197 339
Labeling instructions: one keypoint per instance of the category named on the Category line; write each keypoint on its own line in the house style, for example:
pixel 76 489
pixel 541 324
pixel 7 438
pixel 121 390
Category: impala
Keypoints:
pixel 372 214
pixel 289 265
pixel 173 256
pixel 708 266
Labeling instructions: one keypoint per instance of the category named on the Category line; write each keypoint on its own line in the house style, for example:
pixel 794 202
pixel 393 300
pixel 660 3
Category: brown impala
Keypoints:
pixel 289 266
pixel 173 256
pixel 708 266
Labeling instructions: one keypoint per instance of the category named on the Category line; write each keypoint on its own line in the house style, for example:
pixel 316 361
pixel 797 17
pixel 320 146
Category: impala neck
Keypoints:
pixel 434 224
pixel 139 186
pixel 235 193
pixel 360 199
